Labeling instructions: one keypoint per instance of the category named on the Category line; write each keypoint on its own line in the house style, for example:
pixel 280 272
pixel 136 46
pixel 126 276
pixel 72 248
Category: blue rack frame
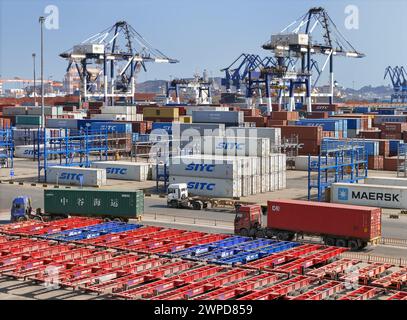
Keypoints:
pixel 7 143
pixel 67 147
pixel 338 161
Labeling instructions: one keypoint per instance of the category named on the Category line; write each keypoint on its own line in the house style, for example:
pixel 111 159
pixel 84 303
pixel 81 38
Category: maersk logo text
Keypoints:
pixel 343 194
pixel 376 196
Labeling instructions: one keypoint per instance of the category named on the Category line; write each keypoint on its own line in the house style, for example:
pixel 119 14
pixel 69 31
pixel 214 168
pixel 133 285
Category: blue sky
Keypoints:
pixel 206 34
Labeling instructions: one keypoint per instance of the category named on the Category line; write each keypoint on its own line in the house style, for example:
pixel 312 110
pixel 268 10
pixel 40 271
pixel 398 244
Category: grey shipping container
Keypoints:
pixel 228 117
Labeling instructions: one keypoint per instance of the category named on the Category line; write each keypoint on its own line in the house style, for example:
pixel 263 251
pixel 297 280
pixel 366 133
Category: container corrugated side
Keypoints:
pixel 94 203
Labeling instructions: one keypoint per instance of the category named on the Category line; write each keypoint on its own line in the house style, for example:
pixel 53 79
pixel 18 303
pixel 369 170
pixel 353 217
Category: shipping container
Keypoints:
pixel 387 181
pixel 161 112
pixel 236 146
pixel 325 219
pixel 90 177
pixel 28 120
pixel 124 170
pixel 227 117
pixel 370 195
pixel 210 187
pixel 62 123
pixel 103 203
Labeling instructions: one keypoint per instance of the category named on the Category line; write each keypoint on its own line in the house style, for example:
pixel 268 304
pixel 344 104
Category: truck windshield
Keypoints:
pixel 171 190
pixel 238 216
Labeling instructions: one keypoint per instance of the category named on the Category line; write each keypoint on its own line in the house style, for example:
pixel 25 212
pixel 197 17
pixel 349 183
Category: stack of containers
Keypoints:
pixel 337 128
pixel 123 113
pixel 247 165
pixel 161 114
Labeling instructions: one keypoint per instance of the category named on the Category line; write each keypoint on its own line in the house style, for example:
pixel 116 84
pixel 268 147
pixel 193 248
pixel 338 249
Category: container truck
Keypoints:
pixel 60 204
pixel 338 225
pixel 178 197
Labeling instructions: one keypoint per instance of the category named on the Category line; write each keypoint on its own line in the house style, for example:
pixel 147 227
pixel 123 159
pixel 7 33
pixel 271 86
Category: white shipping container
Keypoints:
pixel 27 151
pixel 205 168
pixel 62 123
pixel 235 146
pixel 124 170
pixel 90 177
pixel 272 134
pixel 271 182
pixel 369 195
pixel 386 181
pixel 216 188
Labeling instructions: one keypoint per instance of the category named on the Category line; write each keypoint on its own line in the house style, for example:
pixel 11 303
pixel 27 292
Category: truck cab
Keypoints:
pixel 21 208
pixel 177 195
pixel 248 220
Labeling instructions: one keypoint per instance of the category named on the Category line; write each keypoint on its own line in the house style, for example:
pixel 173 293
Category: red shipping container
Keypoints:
pixel 328 134
pixel 284 115
pixel 251 112
pixel 308 147
pixel 390 164
pixel 303 132
pixel 395 136
pixel 354 222
pixel 317 115
pixel 370 134
pixel 260 121
pixel 394 127
pixel 271 122
pixel 139 127
pixel 375 162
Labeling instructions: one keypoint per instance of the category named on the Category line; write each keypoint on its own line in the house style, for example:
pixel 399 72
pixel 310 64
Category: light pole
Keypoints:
pixel 35 88
pixel 41 20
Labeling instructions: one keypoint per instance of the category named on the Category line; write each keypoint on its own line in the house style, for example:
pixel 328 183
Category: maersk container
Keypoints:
pixel 353 222
pixel 215 188
pixel 386 181
pixel 90 177
pixel 369 195
pixel 104 203
pixel 227 117
pixel 124 170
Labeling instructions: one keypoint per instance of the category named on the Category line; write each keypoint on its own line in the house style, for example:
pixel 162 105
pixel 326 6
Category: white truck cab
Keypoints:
pixel 177 192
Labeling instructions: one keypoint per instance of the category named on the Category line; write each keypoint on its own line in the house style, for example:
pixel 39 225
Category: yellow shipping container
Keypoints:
pixel 185 119
pixel 151 112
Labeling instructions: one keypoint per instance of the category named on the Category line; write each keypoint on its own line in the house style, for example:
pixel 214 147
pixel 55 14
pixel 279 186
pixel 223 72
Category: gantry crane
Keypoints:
pixel 119 48
pixel 398 79
pixel 300 41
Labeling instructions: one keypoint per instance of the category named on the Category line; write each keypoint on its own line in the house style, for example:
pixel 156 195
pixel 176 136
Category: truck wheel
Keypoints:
pixel 283 236
pixel 341 243
pixel 244 232
pixel 197 205
pixel 329 241
pixel 173 204
pixel 260 234
pixel 107 219
pixel 252 232
pixel 354 245
pixel 118 220
pixel 20 219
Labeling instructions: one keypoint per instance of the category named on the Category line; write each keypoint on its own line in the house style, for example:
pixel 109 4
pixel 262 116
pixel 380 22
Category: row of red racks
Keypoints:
pixel 137 264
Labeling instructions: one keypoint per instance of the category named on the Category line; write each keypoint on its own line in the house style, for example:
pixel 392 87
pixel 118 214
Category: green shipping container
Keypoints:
pixel 28 120
pixel 103 203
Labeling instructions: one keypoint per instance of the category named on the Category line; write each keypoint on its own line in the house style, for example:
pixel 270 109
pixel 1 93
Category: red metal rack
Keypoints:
pixel 361 293
pixel 281 289
pixel 243 287
pixel 299 265
pixel 321 292
pixel 331 270
pixel 396 280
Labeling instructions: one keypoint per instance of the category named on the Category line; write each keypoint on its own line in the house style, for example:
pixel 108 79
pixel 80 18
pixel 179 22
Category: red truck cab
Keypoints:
pixel 247 220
